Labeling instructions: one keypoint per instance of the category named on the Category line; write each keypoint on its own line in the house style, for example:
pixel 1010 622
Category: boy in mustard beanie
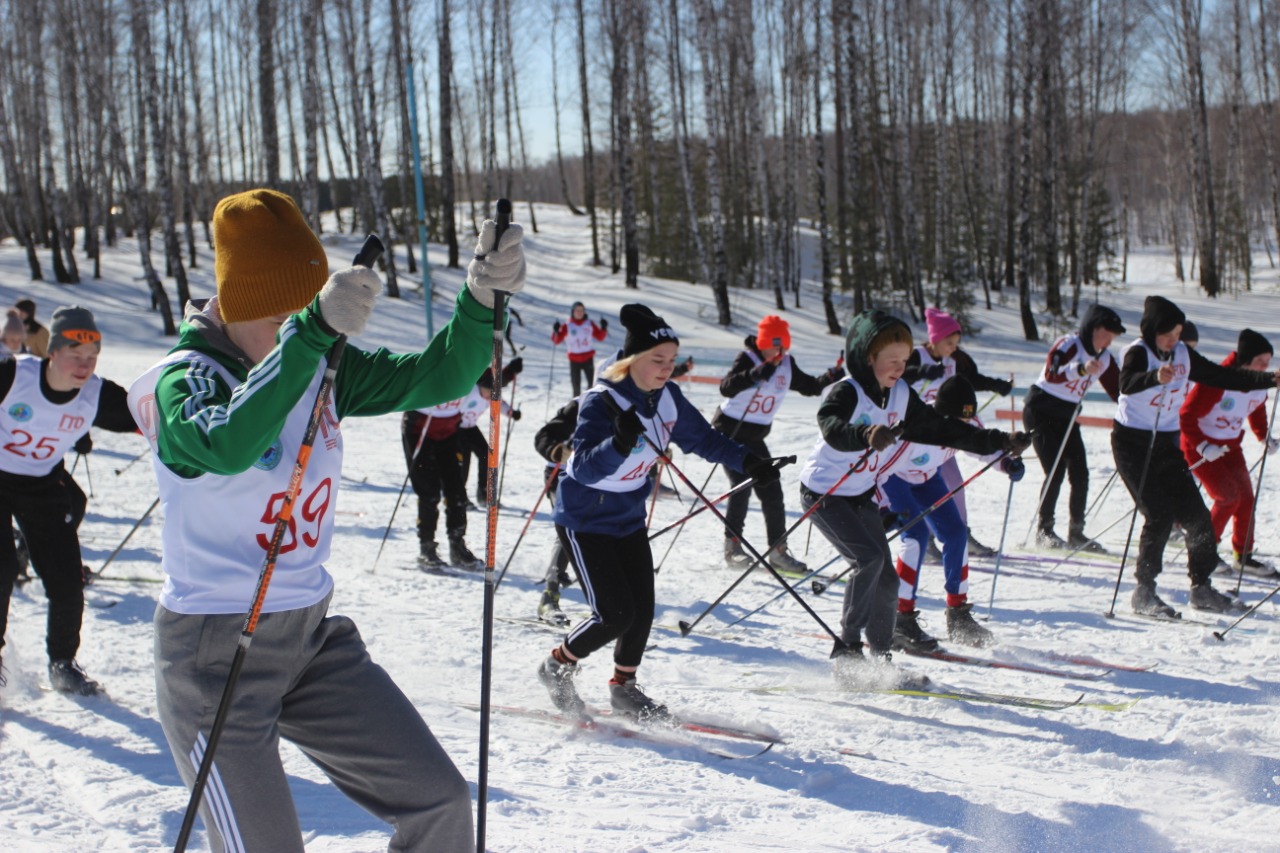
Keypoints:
pixel 225 413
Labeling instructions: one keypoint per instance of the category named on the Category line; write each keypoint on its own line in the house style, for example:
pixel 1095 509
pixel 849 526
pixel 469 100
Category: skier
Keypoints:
pixel 1073 364
pixel 860 421
pixel 13 335
pixel 470 436
pixel 37 335
pixel 580 332
pixel 756 385
pixel 910 485
pixel 941 358
pixel 600 513
pixel 225 414
pixel 1154 372
pixel 1212 422
pixel 46 404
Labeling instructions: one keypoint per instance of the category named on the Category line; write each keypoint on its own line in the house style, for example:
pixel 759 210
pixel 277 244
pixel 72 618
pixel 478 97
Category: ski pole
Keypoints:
pixel 506 442
pixel 491 541
pixel 1137 498
pixel 1222 635
pixel 551 375
pixel 653 498
pixel 687 627
pixel 129 464
pixel 1057 460
pixel 368 254
pixel 132 530
pixel 413 460
pixel 733 434
pixel 1257 494
pixel 1106 488
pixel 551 478
pixel 745 484
pixel 819 587
pixel 1004 528
pixel 88 475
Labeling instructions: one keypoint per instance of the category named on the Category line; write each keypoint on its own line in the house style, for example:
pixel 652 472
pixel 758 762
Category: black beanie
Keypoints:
pixel 956 399
pixel 645 329
pixel 1250 346
pixel 1159 316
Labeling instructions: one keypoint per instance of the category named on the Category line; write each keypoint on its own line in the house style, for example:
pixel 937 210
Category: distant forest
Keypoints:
pixel 926 152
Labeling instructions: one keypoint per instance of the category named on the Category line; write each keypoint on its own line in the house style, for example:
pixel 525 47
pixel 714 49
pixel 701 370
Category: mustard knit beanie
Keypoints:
pixel 267 260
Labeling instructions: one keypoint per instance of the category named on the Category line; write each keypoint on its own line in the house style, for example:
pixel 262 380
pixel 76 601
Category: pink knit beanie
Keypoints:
pixel 940 324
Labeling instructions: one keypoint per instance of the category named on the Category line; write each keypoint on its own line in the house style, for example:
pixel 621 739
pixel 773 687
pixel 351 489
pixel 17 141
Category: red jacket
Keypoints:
pixel 1200 402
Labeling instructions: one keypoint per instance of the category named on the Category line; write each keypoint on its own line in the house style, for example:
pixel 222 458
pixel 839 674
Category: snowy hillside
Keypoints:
pixel 1177 748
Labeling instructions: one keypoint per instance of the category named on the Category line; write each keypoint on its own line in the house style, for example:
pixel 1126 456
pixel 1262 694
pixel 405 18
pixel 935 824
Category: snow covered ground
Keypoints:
pixel 1193 765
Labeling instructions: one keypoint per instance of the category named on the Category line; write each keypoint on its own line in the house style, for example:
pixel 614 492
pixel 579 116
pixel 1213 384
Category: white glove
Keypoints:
pixel 1212 452
pixel 1273 444
pixel 347 298
pixel 496 269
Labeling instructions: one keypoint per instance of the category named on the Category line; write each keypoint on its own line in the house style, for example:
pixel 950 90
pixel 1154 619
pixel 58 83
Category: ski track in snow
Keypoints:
pixel 1194 765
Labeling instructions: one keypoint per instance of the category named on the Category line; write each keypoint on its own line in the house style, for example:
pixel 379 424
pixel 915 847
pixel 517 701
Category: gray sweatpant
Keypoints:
pixel 307 678
pixel 853 526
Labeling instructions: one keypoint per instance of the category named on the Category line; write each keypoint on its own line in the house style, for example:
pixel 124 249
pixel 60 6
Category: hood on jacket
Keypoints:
pixel 863 329
pixel 202 330
pixel 1098 317
pixel 1159 316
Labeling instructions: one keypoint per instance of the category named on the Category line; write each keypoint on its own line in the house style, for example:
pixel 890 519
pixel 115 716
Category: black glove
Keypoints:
pixel 515 414
pixel 932 371
pixel 835 374
pixel 759 469
pixel 604 324
pixel 892 520
pixel 556 327
pixel 879 437
pixel 762 371
pixel 627 429
pixel 1016 443
pixel 514 366
pixel 83 445
pixel 1014 467
pixel 1003 387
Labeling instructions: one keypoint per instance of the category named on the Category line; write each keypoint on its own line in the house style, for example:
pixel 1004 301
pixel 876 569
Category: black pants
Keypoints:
pixel 577 369
pixel 474 444
pixel 1048 429
pixel 617 579
pixel 48 511
pixel 436 471
pixel 1169 494
pixel 557 569
pixel 770 495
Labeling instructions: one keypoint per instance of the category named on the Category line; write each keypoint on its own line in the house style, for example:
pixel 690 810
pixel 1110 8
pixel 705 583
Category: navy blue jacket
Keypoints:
pixel 586 510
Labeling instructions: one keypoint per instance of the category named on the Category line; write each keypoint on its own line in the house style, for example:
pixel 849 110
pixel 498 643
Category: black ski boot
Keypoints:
pixel 962 628
pixel 558 679
pixel 549 607
pixel 628 700
pixel 1205 597
pixel 980 551
pixel 1078 541
pixel 429 557
pixel 1254 567
pixel 931 552
pixel 1145 602
pixel 66 676
pixel 460 555
pixel 734 556
pixel 908 636
pixel 1046 538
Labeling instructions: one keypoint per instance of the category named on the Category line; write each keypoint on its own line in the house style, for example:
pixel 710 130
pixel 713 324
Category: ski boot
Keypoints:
pixel 1205 597
pixel 1254 567
pixel 66 676
pixel 962 628
pixel 908 636
pixel 1078 541
pixel 1046 538
pixel 931 552
pixel 558 679
pixel 782 560
pixel 627 699
pixel 460 555
pixel 1145 602
pixel 980 551
pixel 549 608
pixel 734 556
pixel 429 557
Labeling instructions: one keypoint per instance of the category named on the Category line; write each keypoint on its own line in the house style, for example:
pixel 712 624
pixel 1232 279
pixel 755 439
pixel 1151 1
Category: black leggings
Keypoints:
pixel 1047 433
pixel 617 579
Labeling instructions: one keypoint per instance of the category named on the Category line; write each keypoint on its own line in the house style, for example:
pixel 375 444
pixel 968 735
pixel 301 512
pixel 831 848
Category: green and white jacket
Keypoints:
pixel 226 433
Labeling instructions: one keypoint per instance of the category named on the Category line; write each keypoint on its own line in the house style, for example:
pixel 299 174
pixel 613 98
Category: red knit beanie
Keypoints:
pixel 773 331
pixel 940 324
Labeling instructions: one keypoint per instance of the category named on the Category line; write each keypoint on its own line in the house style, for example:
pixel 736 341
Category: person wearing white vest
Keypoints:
pixel 225 413
pixel 1155 371
pixel 46 405
pixel 756 385
pixel 1213 424
pixel 579 335
pixel 471 437
pixel 600 510
pixel 860 422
